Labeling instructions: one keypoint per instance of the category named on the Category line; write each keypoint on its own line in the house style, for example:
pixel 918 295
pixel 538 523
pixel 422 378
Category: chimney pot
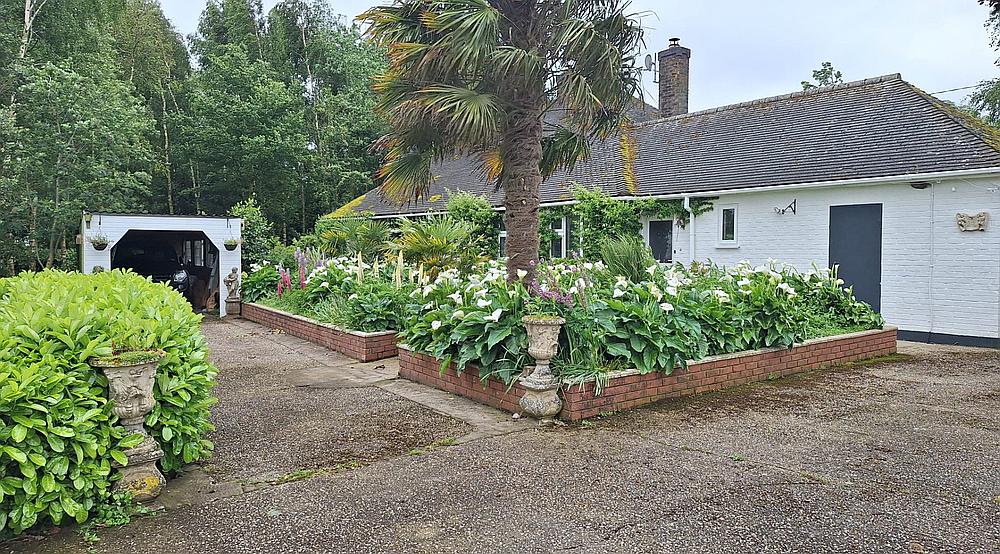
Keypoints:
pixel 674 66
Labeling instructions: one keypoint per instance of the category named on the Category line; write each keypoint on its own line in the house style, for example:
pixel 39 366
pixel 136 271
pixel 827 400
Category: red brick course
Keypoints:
pixel 628 389
pixel 365 347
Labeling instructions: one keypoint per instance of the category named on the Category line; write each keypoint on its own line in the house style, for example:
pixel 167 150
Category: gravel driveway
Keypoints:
pixel 317 453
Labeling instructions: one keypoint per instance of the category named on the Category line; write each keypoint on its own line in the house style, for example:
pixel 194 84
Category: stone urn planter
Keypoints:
pixel 130 381
pixel 541 396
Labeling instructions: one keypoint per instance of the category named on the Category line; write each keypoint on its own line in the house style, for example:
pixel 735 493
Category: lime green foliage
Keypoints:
pixel 258 233
pixel 484 221
pixel 57 432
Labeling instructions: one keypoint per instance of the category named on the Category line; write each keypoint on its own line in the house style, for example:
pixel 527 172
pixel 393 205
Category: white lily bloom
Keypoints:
pixel 435 325
pixel 618 293
pixel 458 314
pixel 352 297
pixel 656 292
pixel 651 269
pixel 428 305
pixel 667 307
pixel 521 274
pixel 325 284
pixel 588 266
pixel 457 297
pixel 428 289
pixel 721 295
pixel 743 282
pixel 572 290
pixel 672 291
pixel 495 316
pixel 479 293
pixel 484 302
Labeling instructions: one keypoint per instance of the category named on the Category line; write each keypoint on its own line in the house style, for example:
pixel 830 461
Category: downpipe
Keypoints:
pixel 691 230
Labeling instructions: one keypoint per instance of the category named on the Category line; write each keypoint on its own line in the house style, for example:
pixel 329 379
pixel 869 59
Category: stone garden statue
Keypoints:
pixel 232 282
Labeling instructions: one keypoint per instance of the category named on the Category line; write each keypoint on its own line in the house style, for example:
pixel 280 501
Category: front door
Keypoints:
pixel 856 247
pixel 661 240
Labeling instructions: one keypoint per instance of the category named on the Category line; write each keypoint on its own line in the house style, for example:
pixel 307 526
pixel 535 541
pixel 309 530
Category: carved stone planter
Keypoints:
pixel 541 396
pixel 131 388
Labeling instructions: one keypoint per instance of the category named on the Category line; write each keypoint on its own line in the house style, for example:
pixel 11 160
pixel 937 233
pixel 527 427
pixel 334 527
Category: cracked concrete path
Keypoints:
pixel 900 456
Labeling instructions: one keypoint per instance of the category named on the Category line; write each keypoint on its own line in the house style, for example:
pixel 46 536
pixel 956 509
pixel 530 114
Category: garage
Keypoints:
pixel 193 254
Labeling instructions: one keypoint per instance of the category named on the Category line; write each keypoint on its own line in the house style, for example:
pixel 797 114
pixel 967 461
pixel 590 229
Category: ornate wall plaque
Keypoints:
pixel 972 222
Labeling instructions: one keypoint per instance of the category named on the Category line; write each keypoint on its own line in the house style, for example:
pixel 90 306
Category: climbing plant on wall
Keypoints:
pixel 597 216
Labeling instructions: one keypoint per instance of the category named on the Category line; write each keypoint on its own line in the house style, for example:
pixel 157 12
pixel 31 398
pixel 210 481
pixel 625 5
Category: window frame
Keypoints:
pixel 722 241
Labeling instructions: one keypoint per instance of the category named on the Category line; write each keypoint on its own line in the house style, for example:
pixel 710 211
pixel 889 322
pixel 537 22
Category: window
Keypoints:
pixel 557 246
pixel 503 239
pixel 728 227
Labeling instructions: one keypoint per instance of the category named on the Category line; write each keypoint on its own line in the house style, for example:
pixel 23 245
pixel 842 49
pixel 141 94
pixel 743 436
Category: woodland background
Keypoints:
pixel 105 106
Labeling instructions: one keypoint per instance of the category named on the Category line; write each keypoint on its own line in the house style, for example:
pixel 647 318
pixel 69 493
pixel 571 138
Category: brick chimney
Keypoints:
pixel 674 64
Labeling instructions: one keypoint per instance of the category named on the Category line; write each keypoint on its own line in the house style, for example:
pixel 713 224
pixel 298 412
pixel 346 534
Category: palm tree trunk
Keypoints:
pixel 521 149
pixel 521 153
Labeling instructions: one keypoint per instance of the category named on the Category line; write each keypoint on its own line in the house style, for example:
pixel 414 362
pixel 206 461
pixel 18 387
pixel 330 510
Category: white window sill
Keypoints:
pixel 727 245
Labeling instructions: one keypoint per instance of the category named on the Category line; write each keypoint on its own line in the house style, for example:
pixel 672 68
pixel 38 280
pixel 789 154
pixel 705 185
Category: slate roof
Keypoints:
pixel 879 127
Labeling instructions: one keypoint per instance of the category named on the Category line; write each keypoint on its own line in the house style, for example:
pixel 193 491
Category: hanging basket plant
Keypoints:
pixel 99 242
pixel 231 244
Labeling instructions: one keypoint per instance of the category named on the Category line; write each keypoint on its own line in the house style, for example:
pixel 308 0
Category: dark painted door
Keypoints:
pixel 661 240
pixel 856 247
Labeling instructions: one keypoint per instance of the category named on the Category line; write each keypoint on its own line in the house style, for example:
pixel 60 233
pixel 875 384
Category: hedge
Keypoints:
pixel 57 433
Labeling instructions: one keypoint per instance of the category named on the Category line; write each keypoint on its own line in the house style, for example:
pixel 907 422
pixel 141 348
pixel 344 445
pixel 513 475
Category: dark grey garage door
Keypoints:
pixel 661 240
pixel 856 246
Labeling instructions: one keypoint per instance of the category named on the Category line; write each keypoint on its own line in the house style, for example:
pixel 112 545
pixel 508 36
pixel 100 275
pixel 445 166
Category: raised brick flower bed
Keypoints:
pixel 629 389
pixel 365 347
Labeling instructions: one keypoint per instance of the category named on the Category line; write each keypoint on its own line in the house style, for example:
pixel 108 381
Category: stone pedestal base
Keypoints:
pixel 233 308
pixel 541 397
pixel 141 477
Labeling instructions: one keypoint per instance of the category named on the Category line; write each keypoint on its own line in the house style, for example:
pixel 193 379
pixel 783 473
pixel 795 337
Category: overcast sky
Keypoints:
pixel 746 50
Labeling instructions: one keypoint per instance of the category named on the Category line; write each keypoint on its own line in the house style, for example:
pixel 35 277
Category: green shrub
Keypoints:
pixel 372 306
pixel 627 256
pixel 57 433
pixel 258 233
pixel 437 243
pixel 260 282
pixel 484 221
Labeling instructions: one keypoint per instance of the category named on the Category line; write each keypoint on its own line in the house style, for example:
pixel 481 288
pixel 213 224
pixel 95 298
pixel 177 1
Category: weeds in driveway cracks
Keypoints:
pixel 433 446
pixel 115 511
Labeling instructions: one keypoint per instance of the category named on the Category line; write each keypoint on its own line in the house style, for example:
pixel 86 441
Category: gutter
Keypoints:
pixel 907 178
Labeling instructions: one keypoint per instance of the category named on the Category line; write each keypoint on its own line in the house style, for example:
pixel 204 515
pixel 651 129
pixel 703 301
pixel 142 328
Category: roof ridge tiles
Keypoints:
pixel 769 99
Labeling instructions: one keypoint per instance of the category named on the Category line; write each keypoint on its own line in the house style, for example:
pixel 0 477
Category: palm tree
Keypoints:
pixel 477 78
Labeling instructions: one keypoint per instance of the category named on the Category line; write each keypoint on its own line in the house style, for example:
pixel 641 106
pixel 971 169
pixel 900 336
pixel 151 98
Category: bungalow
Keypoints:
pixel 892 185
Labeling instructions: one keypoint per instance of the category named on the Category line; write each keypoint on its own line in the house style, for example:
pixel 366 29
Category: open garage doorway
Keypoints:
pixel 185 260
pixel 194 254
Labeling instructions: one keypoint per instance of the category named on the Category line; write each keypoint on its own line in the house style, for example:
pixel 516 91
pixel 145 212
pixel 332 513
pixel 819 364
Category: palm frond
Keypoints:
pixel 563 149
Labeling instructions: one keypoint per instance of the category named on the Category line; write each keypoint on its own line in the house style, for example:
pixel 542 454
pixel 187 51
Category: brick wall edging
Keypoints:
pixel 628 388
pixel 360 345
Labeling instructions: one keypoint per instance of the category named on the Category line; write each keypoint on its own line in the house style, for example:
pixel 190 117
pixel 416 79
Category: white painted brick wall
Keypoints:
pixel 934 277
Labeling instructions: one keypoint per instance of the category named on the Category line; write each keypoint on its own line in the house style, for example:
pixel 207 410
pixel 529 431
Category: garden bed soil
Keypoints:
pixel 364 347
pixel 630 389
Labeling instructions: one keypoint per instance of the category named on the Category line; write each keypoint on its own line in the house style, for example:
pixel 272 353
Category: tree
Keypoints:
pixel 825 76
pixel 245 134
pixel 80 144
pixel 985 101
pixel 478 78
pixel 258 232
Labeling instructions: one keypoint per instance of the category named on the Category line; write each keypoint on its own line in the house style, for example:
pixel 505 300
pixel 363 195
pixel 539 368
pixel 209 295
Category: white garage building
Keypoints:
pixel 198 242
